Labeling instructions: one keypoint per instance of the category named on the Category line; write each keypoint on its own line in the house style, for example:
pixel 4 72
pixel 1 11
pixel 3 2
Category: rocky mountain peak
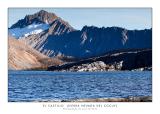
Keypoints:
pixel 40 17
pixel 44 16
pixel 39 22
pixel 86 28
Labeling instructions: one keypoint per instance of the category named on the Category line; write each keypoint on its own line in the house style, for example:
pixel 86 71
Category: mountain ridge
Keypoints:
pixel 40 17
pixel 55 38
pixel 114 61
pixel 87 42
pixel 55 25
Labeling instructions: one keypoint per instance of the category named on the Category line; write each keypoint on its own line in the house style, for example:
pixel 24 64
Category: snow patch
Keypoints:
pixel 84 37
pixel 46 21
pixel 87 51
pixel 28 30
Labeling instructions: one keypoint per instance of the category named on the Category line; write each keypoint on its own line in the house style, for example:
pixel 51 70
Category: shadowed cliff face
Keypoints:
pixel 119 60
pixel 93 41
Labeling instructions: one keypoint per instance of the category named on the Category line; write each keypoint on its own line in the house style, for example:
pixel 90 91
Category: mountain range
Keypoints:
pixel 52 37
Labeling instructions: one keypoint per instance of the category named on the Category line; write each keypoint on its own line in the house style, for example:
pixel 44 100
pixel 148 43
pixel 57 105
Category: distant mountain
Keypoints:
pixel 39 22
pixel 91 41
pixel 39 17
pixel 52 36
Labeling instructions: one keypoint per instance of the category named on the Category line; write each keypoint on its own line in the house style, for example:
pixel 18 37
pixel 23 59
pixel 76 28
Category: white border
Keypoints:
pixel 37 108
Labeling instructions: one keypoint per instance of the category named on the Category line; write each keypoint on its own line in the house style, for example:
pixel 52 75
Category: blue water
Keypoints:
pixel 56 86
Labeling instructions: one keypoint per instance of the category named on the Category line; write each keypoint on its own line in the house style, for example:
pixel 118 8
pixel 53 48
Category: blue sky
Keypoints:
pixel 129 18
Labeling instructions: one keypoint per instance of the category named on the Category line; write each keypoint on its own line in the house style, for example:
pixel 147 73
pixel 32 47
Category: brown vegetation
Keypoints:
pixel 24 57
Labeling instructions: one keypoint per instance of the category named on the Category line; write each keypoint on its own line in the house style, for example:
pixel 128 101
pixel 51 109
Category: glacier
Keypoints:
pixel 28 30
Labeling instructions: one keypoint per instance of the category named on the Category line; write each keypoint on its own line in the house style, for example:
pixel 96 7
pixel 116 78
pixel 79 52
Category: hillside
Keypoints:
pixel 22 57
pixel 116 61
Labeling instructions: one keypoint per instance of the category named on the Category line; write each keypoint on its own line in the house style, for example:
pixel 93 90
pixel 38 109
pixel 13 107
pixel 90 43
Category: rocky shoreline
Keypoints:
pixel 128 99
pixel 132 60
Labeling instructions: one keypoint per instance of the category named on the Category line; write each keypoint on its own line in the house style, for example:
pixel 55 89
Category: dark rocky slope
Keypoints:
pixel 121 60
pixel 92 41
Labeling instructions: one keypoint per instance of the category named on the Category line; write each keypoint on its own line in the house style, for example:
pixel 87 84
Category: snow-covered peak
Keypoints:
pixel 28 30
pixel 46 22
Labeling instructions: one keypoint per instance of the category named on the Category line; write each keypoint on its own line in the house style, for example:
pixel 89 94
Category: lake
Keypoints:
pixel 28 86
